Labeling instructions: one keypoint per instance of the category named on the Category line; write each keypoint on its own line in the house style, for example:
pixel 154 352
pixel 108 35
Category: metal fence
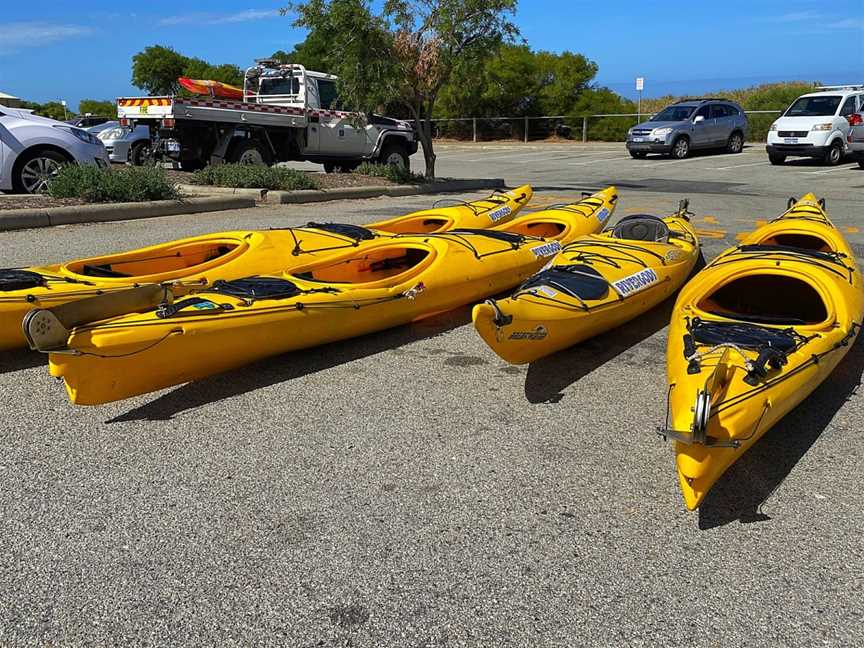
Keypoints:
pixel 490 128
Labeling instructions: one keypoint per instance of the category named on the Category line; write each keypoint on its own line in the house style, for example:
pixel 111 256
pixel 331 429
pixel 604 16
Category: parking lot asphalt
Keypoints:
pixel 408 488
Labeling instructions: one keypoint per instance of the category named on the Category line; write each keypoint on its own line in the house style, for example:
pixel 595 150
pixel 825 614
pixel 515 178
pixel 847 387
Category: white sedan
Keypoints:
pixel 33 149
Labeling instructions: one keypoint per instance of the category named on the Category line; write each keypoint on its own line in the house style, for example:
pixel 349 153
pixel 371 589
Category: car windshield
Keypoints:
pixel 674 114
pixel 278 86
pixel 814 106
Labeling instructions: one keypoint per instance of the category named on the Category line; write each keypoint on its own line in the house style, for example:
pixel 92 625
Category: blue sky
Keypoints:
pixel 72 50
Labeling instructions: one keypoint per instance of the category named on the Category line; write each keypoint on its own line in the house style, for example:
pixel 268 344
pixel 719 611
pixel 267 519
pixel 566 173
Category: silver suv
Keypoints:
pixel 688 125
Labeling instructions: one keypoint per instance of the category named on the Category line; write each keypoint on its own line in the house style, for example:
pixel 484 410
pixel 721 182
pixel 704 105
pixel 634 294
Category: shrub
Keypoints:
pixel 392 172
pixel 255 176
pixel 130 184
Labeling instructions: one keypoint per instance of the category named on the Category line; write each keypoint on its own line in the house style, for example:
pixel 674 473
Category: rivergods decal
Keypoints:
pixel 498 214
pixel 547 249
pixel 538 333
pixel 636 282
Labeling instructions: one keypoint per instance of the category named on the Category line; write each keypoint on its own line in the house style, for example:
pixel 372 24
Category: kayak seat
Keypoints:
pixel 576 280
pixel 256 288
pixel 11 279
pixel 641 227
pixel 345 229
pixel 102 271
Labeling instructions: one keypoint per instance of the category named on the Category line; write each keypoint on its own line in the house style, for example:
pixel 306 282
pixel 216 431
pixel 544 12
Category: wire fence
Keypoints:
pixel 610 127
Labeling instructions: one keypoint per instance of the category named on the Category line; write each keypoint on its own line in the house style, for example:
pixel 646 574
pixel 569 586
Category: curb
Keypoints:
pixel 14 219
pixel 349 193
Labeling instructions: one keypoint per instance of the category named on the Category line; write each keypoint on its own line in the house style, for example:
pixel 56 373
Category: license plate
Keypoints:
pixel 790 140
pixel 638 139
pixel 173 147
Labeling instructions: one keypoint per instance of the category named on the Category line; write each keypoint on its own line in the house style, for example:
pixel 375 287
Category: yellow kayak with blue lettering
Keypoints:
pixel 594 284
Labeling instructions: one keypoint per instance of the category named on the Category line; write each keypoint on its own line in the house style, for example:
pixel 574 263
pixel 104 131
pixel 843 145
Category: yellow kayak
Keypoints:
pixel 227 255
pixel 594 284
pixel 381 283
pixel 753 334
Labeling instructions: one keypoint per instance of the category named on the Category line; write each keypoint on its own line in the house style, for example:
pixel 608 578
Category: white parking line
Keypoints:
pixel 627 157
pixel 824 171
pixel 737 166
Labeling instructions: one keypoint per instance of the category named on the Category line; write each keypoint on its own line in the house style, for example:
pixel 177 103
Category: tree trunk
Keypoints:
pixel 425 132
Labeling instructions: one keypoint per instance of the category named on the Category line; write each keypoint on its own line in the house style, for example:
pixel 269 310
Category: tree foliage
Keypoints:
pixel 406 52
pixel 96 107
pixel 51 109
pixel 156 69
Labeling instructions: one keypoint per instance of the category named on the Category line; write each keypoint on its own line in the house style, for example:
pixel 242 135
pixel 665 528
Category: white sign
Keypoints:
pixel 640 83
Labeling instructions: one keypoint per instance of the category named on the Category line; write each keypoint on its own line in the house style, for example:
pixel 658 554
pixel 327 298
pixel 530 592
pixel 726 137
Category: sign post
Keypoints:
pixel 640 85
pixel 65 114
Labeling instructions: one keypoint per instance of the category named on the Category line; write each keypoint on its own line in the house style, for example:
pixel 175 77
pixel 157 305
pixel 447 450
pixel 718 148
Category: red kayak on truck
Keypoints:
pixel 209 88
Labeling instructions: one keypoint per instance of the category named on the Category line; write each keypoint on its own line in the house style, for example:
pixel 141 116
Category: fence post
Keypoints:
pixel 584 130
pixel 474 124
pixel 526 130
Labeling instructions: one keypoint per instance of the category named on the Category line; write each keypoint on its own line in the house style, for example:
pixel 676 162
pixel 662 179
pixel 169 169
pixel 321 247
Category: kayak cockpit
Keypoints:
pixel 549 229
pixel 799 241
pixel 767 299
pixel 173 259
pixel 384 263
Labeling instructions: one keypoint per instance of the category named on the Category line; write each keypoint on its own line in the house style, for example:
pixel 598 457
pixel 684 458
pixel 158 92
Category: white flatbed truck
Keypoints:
pixel 287 113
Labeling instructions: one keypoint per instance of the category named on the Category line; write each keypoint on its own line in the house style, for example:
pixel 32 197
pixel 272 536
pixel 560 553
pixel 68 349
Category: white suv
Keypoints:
pixel 815 125
pixel 32 149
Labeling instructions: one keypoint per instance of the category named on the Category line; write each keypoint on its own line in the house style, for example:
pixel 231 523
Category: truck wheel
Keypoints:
pixel 248 151
pixel 35 169
pixel 141 154
pixel 776 159
pixel 395 154
pixel 735 143
pixel 681 148
pixel 834 154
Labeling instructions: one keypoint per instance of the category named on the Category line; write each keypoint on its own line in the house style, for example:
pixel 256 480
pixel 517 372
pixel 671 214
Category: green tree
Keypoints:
pixel 51 109
pixel 156 69
pixel 96 107
pixel 408 51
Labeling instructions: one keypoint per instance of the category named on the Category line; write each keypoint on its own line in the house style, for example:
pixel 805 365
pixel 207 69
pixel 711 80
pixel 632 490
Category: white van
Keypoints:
pixel 816 125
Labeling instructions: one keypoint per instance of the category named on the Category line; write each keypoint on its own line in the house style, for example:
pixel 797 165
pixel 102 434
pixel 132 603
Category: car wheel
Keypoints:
pixel 861 163
pixel 638 154
pixel 35 171
pixel 776 159
pixel 141 154
pixel 247 151
pixel 735 143
pixel 394 154
pixel 681 148
pixel 834 154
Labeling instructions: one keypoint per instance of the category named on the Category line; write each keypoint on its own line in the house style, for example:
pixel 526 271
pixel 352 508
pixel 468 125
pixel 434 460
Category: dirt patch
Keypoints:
pixel 26 201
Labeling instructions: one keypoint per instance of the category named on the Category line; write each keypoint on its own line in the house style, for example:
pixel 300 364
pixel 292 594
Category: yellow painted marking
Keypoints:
pixel 711 233
pixel 710 220
pixel 761 223
pixel 852 230
pixel 740 236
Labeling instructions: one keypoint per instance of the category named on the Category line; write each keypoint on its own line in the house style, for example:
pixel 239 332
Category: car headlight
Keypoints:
pixel 773 127
pixel 661 132
pixel 82 135
pixel 823 127
pixel 110 134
